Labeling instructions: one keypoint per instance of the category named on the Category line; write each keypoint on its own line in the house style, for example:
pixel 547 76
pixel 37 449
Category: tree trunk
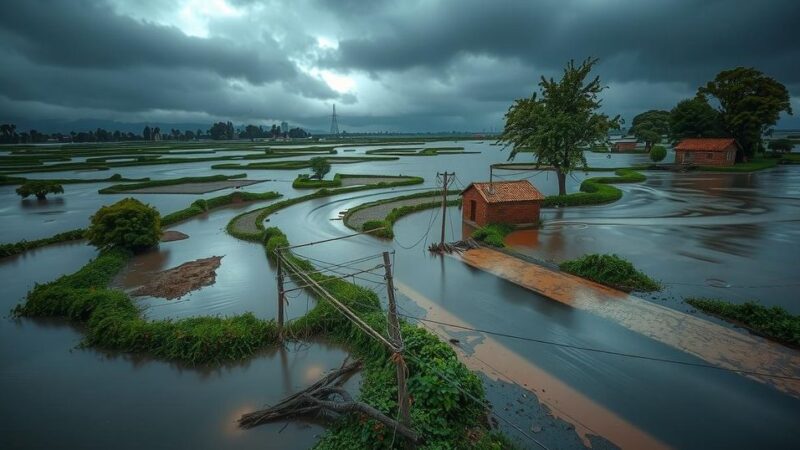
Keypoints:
pixel 562 182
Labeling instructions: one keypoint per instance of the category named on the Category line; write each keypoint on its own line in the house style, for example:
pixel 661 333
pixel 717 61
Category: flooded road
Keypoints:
pixel 721 235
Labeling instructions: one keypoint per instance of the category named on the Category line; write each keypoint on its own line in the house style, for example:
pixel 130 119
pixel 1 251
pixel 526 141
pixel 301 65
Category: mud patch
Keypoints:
pixel 179 281
pixel 172 235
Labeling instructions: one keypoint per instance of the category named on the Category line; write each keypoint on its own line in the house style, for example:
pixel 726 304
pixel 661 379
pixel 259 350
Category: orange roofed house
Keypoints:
pixel 706 152
pixel 512 202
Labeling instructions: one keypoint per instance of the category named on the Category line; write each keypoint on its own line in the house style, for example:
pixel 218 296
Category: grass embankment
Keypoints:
pixel 774 323
pixel 6 180
pixel 196 208
pixel 23 245
pixel 445 413
pixel 751 166
pixel 610 270
pixel 121 188
pixel 303 181
pixel 432 151
pixel 299 164
pixel 266 211
pixel 384 228
pixel 790 158
pixel 596 190
pixel 493 234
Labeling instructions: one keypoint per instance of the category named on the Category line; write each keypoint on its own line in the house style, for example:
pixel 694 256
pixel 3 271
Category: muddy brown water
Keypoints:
pixel 734 230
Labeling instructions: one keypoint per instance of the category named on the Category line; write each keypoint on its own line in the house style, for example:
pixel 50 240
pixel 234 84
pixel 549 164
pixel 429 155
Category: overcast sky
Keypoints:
pixel 387 65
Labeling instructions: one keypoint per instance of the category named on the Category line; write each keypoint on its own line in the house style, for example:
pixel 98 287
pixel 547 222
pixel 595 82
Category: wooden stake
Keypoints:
pixel 394 333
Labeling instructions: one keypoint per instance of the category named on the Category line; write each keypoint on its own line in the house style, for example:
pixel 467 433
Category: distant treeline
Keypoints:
pixel 218 131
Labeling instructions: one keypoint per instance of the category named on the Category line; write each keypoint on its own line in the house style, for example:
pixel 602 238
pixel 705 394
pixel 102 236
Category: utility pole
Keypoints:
pixel 394 334
pixel 444 200
pixel 281 293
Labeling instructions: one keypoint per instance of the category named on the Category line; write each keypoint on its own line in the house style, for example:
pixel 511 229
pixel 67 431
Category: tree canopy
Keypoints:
pixel 560 121
pixel 658 153
pixel 694 118
pixel 320 167
pixel 39 188
pixel 749 104
pixel 781 145
pixel 128 224
pixel 649 126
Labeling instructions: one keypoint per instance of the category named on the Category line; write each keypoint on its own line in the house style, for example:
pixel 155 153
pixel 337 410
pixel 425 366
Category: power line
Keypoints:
pixel 607 352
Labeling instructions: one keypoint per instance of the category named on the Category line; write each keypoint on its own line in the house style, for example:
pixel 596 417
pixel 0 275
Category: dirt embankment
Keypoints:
pixel 172 235
pixel 179 281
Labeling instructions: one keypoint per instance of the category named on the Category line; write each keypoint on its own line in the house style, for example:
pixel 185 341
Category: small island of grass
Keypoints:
pixel 612 271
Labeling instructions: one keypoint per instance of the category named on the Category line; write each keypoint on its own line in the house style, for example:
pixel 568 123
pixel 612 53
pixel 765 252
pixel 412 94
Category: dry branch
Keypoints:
pixel 325 398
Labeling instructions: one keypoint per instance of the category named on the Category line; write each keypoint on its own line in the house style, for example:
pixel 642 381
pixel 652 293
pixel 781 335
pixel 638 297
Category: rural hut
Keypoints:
pixel 624 146
pixel 706 151
pixel 511 202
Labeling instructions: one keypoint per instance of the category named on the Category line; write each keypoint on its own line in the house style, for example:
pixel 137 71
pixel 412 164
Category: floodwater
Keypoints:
pixel 727 236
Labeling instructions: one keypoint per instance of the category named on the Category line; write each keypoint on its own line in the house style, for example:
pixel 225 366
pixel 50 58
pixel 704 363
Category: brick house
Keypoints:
pixel 706 151
pixel 512 202
pixel 623 146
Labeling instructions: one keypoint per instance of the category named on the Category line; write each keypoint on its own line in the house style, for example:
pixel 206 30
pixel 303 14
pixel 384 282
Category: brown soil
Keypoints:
pixel 172 235
pixel 179 281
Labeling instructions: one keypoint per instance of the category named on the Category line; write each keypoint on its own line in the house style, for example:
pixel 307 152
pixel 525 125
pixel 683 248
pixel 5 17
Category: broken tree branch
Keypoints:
pixel 320 399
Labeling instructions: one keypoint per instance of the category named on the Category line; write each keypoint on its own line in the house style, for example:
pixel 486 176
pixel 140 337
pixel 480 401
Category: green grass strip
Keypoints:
pixel 771 322
pixel 121 188
pixel 385 227
pixel 610 270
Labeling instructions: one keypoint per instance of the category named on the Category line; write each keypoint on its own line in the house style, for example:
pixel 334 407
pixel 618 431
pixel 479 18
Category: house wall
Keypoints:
pixel 726 157
pixel 511 212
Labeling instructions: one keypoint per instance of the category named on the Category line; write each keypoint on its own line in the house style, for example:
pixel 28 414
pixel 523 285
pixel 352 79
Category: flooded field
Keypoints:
pixel 731 236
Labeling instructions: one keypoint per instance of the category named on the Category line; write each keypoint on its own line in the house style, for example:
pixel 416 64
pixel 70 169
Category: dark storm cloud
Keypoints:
pixel 414 65
pixel 651 40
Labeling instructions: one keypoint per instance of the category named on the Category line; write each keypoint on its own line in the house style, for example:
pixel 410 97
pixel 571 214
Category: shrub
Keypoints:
pixel 382 227
pixel 320 167
pixel 39 188
pixel 201 203
pixel 658 153
pixel 610 270
pixel 493 234
pixel 128 224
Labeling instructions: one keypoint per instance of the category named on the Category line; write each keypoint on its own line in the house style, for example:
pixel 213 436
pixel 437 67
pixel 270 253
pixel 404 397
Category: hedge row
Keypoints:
pixel 772 322
pixel 597 190
pixel 120 188
pixel 23 245
pixel 303 181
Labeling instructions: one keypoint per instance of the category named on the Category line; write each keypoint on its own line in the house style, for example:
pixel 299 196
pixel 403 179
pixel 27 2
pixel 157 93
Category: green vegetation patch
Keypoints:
pixel 385 227
pixel 596 190
pixel 611 270
pixel 751 166
pixel 299 164
pixel 432 151
pixel 23 245
pixel 304 181
pixel 120 188
pixel 772 322
pixel 493 234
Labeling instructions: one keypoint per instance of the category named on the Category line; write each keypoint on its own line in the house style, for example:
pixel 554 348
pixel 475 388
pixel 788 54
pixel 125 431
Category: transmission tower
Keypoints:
pixel 334 122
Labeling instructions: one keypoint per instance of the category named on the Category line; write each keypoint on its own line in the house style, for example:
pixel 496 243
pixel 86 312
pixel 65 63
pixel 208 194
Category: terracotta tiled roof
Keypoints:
pixel 705 144
pixel 507 191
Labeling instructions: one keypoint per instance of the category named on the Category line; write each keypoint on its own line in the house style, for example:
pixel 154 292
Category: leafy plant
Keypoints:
pixel 658 153
pixel 493 234
pixel 128 224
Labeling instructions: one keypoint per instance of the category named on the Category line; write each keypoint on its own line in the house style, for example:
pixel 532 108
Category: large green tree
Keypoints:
pixel 128 224
pixel 39 188
pixel 749 104
pixel 560 121
pixel 649 126
pixel 320 167
pixel 694 118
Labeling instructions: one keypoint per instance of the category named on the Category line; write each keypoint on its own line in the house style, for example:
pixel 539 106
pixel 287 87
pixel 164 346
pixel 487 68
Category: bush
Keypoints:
pixel 610 270
pixel 39 188
pixel 493 234
pixel 774 322
pixel 320 167
pixel 201 203
pixel 382 227
pixel 658 153
pixel 128 224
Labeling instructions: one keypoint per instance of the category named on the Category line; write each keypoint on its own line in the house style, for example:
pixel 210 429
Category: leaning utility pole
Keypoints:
pixel 281 293
pixel 397 338
pixel 444 200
